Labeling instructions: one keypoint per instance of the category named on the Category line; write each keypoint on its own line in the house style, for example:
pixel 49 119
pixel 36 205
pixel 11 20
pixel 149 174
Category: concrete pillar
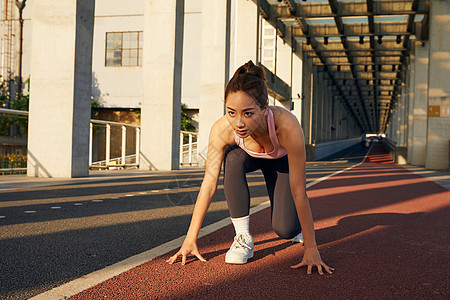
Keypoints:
pixel 410 84
pixel 307 91
pixel 397 121
pixel 438 136
pixel 350 126
pixel 315 105
pixel 337 117
pixel 284 58
pixel 401 126
pixel 420 103
pixel 61 64
pixel 320 105
pixel 394 126
pixel 330 112
pixel 214 66
pixel 307 105
pixel 243 33
pixel 283 64
pixel 297 90
pixel 160 118
pixel 349 129
pixel 404 128
pixel 401 120
pixel 338 109
pixel 342 118
pixel 323 104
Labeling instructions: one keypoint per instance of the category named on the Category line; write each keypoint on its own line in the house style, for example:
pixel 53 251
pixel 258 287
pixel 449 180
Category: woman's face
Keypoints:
pixel 243 113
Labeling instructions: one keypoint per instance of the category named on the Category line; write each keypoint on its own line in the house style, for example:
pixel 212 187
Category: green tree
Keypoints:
pixel 186 124
pixel 20 103
pixel 95 104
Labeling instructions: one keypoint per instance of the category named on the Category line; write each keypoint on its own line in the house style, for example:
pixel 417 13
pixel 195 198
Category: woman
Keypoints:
pixel 252 136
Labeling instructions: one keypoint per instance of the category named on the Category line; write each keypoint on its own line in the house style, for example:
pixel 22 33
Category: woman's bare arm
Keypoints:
pixel 218 139
pixel 291 138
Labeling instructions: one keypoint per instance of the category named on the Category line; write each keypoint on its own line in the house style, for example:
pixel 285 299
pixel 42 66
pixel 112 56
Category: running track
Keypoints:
pixel 384 229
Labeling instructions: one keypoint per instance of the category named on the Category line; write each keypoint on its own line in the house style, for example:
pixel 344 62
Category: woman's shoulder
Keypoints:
pixel 222 130
pixel 289 131
pixel 283 117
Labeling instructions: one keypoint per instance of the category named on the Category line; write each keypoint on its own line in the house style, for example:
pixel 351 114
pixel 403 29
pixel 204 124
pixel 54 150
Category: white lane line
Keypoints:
pixel 114 198
pixel 55 207
pixel 78 204
pixel 83 283
pixel 30 211
pixel 97 200
pixel 2 217
pixel 143 193
pixel 166 190
pixel 154 191
pixel 129 195
pixel 439 177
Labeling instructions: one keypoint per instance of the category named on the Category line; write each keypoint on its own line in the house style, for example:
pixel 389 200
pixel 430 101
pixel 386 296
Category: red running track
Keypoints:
pixel 384 229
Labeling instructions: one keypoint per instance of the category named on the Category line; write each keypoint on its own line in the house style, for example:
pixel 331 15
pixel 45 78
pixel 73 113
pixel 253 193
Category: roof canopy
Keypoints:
pixel 362 46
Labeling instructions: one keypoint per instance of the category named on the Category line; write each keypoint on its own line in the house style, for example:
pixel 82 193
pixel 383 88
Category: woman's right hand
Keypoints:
pixel 188 248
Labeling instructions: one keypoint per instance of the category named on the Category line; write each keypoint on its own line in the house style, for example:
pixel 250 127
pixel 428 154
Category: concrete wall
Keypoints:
pixel 283 66
pixel 123 86
pixel 190 85
pixel 424 107
pixel 116 86
pixel 243 34
pixel 420 103
pixel 410 85
pixel 297 85
pixel 120 87
pixel 438 133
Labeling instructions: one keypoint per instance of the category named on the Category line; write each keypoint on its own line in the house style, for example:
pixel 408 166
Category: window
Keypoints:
pixel 124 48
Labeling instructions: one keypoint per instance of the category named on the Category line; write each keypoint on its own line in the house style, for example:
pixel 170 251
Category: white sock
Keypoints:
pixel 241 225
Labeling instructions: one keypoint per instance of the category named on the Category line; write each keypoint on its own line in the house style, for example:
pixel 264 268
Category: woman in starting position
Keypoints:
pixel 252 136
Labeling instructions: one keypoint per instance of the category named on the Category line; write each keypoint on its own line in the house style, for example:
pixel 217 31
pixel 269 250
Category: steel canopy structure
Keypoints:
pixel 363 47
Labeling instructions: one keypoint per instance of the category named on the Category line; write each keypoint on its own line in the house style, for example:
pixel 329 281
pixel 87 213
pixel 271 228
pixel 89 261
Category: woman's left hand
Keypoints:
pixel 312 258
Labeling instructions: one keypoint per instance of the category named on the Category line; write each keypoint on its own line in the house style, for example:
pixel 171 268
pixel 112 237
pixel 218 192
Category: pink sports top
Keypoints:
pixel 277 151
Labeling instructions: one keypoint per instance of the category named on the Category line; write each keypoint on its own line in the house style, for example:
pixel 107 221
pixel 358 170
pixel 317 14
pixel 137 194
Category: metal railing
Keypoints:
pixel 188 148
pixel 122 161
pixel 110 150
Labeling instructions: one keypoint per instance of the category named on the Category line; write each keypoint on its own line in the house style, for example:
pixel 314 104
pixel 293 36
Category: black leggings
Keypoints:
pixel 285 221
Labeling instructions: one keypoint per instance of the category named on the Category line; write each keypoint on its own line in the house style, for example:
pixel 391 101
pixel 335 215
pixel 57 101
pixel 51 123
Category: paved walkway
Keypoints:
pixel 384 228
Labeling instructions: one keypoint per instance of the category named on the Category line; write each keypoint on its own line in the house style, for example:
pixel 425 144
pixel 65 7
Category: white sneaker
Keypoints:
pixel 298 238
pixel 241 249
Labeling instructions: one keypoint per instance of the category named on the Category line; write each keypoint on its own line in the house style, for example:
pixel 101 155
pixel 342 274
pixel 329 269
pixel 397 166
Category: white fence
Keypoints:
pixel 113 148
pixel 188 148
pixel 122 161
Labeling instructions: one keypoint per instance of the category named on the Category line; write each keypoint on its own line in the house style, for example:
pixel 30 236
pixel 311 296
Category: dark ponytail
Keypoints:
pixel 250 79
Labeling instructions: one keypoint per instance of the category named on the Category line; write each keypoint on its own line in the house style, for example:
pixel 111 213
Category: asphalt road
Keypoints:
pixel 53 234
